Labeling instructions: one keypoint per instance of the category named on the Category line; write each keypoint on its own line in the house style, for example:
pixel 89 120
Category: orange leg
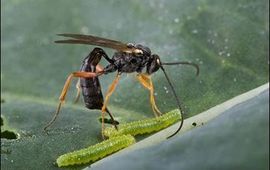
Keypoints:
pixel 99 68
pixel 146 81
pixel 109 93
pixel 65 90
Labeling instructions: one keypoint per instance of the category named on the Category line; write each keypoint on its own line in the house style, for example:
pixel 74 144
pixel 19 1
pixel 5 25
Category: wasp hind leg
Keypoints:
pixel 65 90
pixel 98 69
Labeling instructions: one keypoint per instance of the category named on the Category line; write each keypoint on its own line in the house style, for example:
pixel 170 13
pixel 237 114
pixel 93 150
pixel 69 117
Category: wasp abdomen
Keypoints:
pixel 91 89
pixel 92 94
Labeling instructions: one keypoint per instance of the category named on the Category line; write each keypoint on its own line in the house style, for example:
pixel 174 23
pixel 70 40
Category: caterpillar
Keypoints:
pixel 144 126
pixel 95 152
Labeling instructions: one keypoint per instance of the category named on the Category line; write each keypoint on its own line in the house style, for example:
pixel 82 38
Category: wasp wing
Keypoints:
pixel 98 41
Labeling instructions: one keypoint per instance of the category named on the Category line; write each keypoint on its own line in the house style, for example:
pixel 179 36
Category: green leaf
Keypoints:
pixel 228 39
pixel 237 139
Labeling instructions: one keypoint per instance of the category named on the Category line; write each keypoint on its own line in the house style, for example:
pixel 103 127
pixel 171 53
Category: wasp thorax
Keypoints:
pixel 145 50
pixel 138 52
pixel 130 45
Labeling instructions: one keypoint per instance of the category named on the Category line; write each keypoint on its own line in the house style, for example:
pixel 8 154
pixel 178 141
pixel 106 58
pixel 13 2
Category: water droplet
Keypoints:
pixel 189 17
pixel 20 39
pixel 228 54
pixel 176 20
pixel 161 5
pixel 119 26
pixel 215 34
pixel 166 11
pixel 160 18
pixel 262 32
pixel 226 39
pixel 84 30
pixel 194 31
pixel 234 79
pixel 152 5
pixel 45 41
pixel 221 53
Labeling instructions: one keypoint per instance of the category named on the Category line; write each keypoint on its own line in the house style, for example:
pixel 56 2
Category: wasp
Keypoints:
pixel 128 58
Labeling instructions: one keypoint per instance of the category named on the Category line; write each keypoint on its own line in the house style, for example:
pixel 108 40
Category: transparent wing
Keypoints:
pixel 98 41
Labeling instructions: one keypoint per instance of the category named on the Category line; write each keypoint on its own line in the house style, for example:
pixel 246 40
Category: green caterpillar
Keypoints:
pixel 95 152
pixel 118 139
pixel 144 126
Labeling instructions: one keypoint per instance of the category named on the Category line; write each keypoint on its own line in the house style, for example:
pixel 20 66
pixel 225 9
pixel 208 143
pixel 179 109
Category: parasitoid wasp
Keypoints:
pixel 128 58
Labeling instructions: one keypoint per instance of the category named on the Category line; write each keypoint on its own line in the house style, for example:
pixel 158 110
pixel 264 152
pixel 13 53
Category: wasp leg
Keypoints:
pixel 104 107
pixel 65 90
pixel 146 81
pixel 98 68
pixel 114 122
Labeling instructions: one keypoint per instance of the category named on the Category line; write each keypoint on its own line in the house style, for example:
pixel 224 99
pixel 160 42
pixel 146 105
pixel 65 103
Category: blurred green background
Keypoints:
pixel 228 39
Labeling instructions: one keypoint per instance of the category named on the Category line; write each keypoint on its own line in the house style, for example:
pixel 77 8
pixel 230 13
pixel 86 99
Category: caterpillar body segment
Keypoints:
pixel 145 126
pixel 95 152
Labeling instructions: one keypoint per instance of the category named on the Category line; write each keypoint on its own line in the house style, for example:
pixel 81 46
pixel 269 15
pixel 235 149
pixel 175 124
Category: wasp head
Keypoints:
pixel 153 64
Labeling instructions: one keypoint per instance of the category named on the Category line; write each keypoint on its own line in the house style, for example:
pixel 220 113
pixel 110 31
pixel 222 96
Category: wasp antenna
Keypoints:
pixel 178 103
pixel 185 63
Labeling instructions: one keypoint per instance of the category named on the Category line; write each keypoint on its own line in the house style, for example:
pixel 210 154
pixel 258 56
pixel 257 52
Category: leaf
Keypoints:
pixel 236 139
pixel 228 39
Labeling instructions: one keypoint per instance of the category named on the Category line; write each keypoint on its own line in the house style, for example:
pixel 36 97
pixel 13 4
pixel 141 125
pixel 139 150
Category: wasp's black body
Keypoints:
pixel 125 62
pixel 91 89
pixel 128 58
pixel 122 62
